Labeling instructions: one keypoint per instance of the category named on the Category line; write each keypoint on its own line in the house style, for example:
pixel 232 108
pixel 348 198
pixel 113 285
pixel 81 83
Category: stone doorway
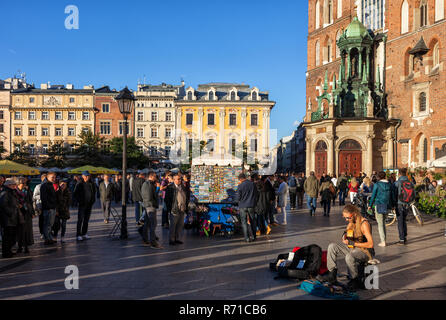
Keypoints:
pixel 350 157
pixel 320 159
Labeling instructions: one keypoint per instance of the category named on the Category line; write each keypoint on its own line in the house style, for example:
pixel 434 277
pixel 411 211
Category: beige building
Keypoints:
pixel 154 118
pixel 49 115
pixel 224 116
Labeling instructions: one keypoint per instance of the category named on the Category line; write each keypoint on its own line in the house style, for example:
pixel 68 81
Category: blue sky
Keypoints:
pixel 257 42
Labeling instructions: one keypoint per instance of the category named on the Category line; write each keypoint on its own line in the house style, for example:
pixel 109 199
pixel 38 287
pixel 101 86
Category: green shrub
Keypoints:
pixel 432 205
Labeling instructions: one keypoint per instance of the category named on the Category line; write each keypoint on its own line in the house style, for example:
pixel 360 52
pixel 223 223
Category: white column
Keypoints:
pixel 330 160
pixel 308 157
pixel 244 114
pixel 265 131
pixel 390 151
pixel 369 166
pixel 200 124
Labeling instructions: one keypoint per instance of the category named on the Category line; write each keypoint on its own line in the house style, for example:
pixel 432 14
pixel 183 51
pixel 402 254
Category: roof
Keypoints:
pixel 223 91
pixel 356 29
pixel 52 90
pixel 420 48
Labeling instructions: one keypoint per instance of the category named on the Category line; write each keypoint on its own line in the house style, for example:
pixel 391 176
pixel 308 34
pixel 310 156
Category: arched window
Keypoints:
pixel 425 150
pixel 422 101
pixel 338 51
pixel 329 46
pixel 328 11
pixel 405 17
pixel 439 10
pixel 233 95
pixel 339 9
pixel 318 14
pixel 423 13
pixel 211 95
pixel 318 53
pixel 350 145
pixel 436 55
pixel 254 96
pixel 189 95
pixel 321 146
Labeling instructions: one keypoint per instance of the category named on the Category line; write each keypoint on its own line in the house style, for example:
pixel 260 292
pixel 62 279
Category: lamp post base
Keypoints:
pixel 124 234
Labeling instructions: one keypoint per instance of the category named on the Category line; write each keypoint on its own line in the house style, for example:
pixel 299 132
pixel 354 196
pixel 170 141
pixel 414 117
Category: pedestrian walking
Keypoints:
pixel 106 192
pixel 262 208
pixel 311 187
pixel 282 200
pixel 292 189
pixel 342 188
pixel 9 216
pixel 85 193
pixel 300 180
pixel 63 210
pixel 49 206
pixel 405 195
pixel 334 180
pixel 137 184
pixel 25 237
pixel 327 193
pixel 149 196
pixel 165 182
pixel 246 197
pixel 37 204
pixel 353 189
pixel 383 202
pixel 176 205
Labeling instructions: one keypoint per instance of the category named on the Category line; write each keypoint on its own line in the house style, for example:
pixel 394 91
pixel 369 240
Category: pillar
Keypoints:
pixel 308 166
pixel 330 154
pixel 360 62
pixel 222 115
pixel 349 65
pixel 390 152
pixel 369 163
pixel 200 124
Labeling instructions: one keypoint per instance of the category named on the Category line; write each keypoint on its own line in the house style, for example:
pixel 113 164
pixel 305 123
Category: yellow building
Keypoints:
pixel 49 115
pixel 224 116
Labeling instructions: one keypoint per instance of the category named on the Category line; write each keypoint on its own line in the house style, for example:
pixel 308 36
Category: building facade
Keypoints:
pixel 228 118
pixel 109 122
pixel 50 115
pixel 154 118
pixel 363 99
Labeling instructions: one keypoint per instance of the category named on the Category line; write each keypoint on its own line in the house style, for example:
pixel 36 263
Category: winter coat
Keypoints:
pixel 64 199
pixel 171 198
pixel 48 196
pixel 85 193
pixel 283 195
pixel 264 200
pixel 9 208
pixel 149 194
pixel 246 195
pixel 107 192
pixel 324 191
pixel 137 184
pixel 311 187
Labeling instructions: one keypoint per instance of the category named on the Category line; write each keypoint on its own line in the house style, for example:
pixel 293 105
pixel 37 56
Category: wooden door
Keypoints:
pixel 321 163
pixel 350 162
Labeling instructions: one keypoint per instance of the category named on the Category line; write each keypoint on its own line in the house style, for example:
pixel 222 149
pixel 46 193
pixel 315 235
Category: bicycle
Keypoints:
pixel 391 216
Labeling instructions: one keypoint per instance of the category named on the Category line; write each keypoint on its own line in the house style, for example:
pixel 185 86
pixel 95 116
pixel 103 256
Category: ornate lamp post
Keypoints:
pixel 125 100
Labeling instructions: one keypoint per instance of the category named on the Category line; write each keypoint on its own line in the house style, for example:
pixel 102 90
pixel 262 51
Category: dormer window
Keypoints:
pixel 233 95
pixel 254 96
pixel 189 95
pixel 211 95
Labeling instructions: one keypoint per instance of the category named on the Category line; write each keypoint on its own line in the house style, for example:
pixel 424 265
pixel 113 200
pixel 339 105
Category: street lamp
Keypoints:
pixel 125 100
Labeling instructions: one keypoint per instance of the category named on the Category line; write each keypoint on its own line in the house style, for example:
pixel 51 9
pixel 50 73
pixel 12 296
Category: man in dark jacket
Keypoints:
pixel 9 216
pixel 85 193
pixel 402 207
pixel 107 192
pixel 176 199
pixel 150 202
pixel 247 196
pixel 49 205
pixel 137 184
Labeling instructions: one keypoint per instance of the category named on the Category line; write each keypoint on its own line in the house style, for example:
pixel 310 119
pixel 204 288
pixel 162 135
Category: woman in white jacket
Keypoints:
pixel 37 203
pixel 283 198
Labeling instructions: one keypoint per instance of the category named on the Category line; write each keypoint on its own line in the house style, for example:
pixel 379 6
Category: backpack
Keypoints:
pixel 305 264
pixel 327 291
pixel 407 193
pixel 292 182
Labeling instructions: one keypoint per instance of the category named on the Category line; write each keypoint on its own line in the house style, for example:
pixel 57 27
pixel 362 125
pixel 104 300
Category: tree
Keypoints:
pixel 22 155
pixel 57 156
pixel 88 150
pixel 135 157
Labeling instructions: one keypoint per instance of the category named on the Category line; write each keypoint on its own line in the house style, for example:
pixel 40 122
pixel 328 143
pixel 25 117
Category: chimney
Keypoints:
pixel 69 86
pixel 44 86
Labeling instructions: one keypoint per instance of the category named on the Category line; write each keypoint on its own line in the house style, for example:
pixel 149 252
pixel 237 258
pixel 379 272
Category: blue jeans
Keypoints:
pixel 148 230
pixel 401 214
pixel 248 231
pixel 311 204
pixel 48 221
pixel 342 195
pixel 139 210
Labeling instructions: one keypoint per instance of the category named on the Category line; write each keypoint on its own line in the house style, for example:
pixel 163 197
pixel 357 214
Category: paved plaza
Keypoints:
pixel 216 268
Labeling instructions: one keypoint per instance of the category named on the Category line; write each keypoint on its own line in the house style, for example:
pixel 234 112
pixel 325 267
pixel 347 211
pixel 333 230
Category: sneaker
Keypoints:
pixel 382 244
pixel 106 221
pixel 268 229
pixel 86 237
pixel 155 245
pixel 79 238
pixel 146 243
pixel 402 242
pixel 42 236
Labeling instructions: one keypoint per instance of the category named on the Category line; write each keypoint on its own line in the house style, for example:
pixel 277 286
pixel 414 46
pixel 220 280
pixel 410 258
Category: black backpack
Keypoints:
pixel 312 255
pixel 407 193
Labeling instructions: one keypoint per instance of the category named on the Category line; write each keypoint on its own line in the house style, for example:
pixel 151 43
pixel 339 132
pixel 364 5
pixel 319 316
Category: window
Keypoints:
pixel 58 115
pixel 31 100
pixel 211 95
pixel 45 132
pixel 254 145
pixel 372 14
pixel 422 101
pixel 2 115
pixel 105 146
pixel 71 100
pixel 45 115
pixel 210 145
pixel 71 115
pixel 105 107
pixel 211 119
pixel 85 130
pixel 72 148
pixel 58 132
pixel 153 151
pixel 189 119
pixel 105 127
pixel 436 55
pixel 232 146
pixel 168 116
pixel 32 115
pixel 339 9
pixel 18 115
pixel 439 10
pixel 140 132
pixel 423 13
pixel 140 115
pixel 155 116
pixel 32 149
pixel 18 131
pixel 85 115
pixel 405 17
pixel 254 118
pixel 189 95
pixel 318 15
pixel 44 148
pixel 328 11
pixel 71 132
pixel 121 128
pixel 154 132
pixel 233 95
pixel 254 96
pixel 167 151
pixel 2 128
pixel 318 53
pixel 168 132
pixel 232 119
pixel 32 132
